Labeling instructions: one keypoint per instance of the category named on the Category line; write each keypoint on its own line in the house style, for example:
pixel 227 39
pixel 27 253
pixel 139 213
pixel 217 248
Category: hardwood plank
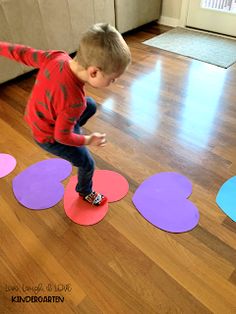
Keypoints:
pixel 233 278
pixel 182 265
pixel 50 264
pixel 87 306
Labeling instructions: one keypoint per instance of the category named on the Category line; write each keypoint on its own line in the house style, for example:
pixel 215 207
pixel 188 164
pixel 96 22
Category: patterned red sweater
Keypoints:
pixel 57 99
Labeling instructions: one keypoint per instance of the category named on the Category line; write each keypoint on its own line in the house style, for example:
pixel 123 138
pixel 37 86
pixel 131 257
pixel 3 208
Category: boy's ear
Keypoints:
pixel 92 71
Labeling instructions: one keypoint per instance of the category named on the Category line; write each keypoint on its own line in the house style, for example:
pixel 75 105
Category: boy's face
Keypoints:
pixel 99 79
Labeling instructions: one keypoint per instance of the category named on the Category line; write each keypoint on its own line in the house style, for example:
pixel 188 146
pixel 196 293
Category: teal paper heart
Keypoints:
pixel 226 198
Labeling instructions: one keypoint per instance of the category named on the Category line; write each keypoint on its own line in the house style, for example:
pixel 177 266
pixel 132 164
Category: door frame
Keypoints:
pixel 184 13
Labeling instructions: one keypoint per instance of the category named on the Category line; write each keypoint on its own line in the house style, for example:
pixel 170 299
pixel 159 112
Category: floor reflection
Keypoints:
pixel 143 107
pixel 203 93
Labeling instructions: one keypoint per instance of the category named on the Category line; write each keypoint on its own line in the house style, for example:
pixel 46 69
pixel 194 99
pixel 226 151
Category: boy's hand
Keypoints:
pixel 95 139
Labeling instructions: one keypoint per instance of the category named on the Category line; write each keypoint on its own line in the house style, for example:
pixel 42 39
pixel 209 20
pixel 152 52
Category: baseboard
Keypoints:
pixel 169 21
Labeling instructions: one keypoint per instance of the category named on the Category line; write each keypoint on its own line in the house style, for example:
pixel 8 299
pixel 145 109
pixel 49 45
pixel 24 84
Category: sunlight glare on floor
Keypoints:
pixel 145 91
pixel 109 104
pixel 203 93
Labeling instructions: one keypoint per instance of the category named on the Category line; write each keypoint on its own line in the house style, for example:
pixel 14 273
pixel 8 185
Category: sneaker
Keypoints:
pixel 95 198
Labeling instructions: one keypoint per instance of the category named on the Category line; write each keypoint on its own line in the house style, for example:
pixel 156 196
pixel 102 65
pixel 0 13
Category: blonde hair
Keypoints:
pixel 103 46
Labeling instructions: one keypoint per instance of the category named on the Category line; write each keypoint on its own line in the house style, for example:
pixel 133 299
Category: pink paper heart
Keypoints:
pixel 7 164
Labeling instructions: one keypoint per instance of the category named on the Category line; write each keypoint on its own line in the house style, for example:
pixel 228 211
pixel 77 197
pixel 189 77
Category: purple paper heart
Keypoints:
pixel 39 186
pixel 162 200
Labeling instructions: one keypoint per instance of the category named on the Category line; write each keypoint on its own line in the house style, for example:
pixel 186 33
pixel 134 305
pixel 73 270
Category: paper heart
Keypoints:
pixel 226 198
pixel 162 200
pixel 80 211
pixel 7 164
pixel 113 185
pixel 39 186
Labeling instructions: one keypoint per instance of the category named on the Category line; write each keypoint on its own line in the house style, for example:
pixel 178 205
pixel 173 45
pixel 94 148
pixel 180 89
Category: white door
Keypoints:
pixel 213 15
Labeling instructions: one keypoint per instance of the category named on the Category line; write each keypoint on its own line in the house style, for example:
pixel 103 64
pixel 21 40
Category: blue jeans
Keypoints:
pixel 80 156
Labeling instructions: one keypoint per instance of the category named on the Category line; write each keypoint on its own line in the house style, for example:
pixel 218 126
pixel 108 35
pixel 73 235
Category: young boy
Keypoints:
pixel 58 107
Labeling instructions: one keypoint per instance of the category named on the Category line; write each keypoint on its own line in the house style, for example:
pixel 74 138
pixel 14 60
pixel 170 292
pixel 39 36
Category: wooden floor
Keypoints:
pixel 167 113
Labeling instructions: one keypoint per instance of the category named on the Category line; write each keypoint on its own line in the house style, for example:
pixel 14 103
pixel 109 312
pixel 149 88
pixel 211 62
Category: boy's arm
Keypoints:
pixel 64 130
pixel 24 54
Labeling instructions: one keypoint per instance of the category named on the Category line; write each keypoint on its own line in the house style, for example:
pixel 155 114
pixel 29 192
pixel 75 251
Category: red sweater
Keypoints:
pixel 57 99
